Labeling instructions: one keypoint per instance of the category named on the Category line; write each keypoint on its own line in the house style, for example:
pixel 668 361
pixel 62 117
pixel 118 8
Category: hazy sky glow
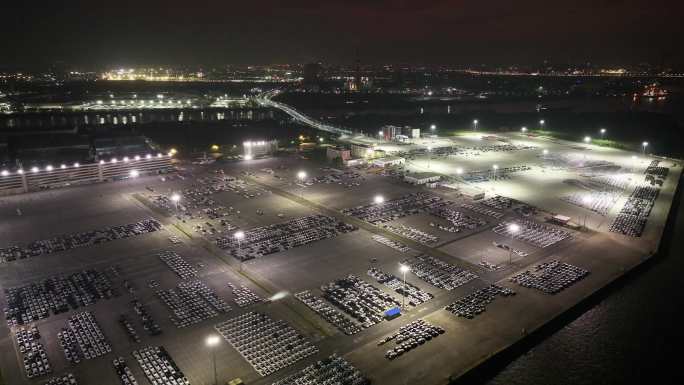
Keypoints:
pixel 275 31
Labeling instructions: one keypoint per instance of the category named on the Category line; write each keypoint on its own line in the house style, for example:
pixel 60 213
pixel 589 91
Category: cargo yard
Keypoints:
pixel 283 270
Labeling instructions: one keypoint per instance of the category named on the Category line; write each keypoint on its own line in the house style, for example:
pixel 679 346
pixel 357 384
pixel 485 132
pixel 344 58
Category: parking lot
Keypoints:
pixel 174 285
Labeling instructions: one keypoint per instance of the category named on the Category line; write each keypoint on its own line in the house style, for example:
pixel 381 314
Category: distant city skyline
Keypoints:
pixel 427 32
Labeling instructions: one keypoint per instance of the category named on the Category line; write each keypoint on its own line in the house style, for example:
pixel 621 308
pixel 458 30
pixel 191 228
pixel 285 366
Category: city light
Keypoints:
pixel 114 160
pixel 379 199
pixel 239 235
pixel 175 197
pixel 48 168
pixel 34 169
pixel 20 171
pixel 523 129
pixel 404 268
pixel 587 139
pixel 495 167
pixel 249 157
pixel 514 228
pixel 301 175
pixel 214 147
pixel 63 166
pixel 5 172
pixel 134 173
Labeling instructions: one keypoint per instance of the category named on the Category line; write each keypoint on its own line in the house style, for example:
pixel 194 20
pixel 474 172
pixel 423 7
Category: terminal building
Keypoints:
pixel 259 149
pixel 421 178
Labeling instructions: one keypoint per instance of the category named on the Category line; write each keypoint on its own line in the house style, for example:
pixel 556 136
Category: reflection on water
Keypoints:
pixel 69 120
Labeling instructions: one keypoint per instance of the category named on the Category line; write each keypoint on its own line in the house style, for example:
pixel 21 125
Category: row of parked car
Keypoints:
pixel 278 237
pixel 410 336
pixel 82 239
pixel 56 294
pixel 550 277
pixel 333 370
pixel 438 273
pixel 179 265
pixel 362 301
pixel 267 344
pixel 476 302
pixel 82 338
pixel 328 313
pixel 159 367
pixel 33 353
pixel 414 295
pixel 192 302
pixel 410 204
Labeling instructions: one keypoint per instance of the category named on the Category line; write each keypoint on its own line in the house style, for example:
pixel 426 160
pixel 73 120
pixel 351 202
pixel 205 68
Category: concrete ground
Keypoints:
pixel 465 343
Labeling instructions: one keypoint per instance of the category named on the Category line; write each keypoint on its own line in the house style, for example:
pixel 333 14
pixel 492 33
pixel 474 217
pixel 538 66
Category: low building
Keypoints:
pixel 260 148
pixel 333 153
pixel 361 150
pixel 420 178
pixel 388 161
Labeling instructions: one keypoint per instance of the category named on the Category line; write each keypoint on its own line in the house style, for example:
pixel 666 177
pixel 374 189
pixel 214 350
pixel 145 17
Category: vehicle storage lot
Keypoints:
pixel 308 267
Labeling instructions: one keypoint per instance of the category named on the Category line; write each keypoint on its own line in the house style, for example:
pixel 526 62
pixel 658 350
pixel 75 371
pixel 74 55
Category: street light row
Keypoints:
pixel 63 166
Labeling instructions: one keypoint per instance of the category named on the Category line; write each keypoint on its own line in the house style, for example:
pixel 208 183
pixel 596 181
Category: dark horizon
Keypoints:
pixel 432 32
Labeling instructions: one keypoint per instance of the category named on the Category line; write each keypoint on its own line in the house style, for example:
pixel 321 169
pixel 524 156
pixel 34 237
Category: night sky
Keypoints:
pixel 119 32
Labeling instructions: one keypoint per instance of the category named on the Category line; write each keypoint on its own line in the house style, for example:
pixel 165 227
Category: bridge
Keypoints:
pixel 266 100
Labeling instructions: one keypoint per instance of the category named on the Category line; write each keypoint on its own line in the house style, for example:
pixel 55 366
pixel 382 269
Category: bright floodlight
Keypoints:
pixel 114 160
pixel 5 172
pixel 134 173
pixel 213 341
pixel 20 171
pixel 546 152
pixel 542 122
pixel 148 156
pixel 175 197
pixel 433 126
pixel 63 166
pixel 301 175
pixel 379 199
pixel 587 139
pixel 523 129
pixel 34 169
pixel 459 171
pixel 137 157
pixel 634 157
pixel 77 164
pixel 644 144
pixel 603 130
pixel 404 268
pixel 125 159
pixel 380 133
pixel 475 121
pixel 48 168
pixel 586 199
pixel 513 227
pixel 249 157
pixel 239 234
pixel 495 167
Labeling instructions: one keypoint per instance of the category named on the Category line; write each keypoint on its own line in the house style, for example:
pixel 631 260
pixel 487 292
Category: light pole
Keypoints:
pixel 495 168
pixel 542 122
pixel 212 342
pixel 175 198
pixel 587 201
pixel 513 228
pixel 459 171
pixel 239 236
pixel 433 127
pixel 301 176
pixel 475 122
pixel 603 133
pixel 380 134
pixel 379 199
pixel 643 148
pixel 404 268
pixel 587 139
pixel 523 129
pixel 429 149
